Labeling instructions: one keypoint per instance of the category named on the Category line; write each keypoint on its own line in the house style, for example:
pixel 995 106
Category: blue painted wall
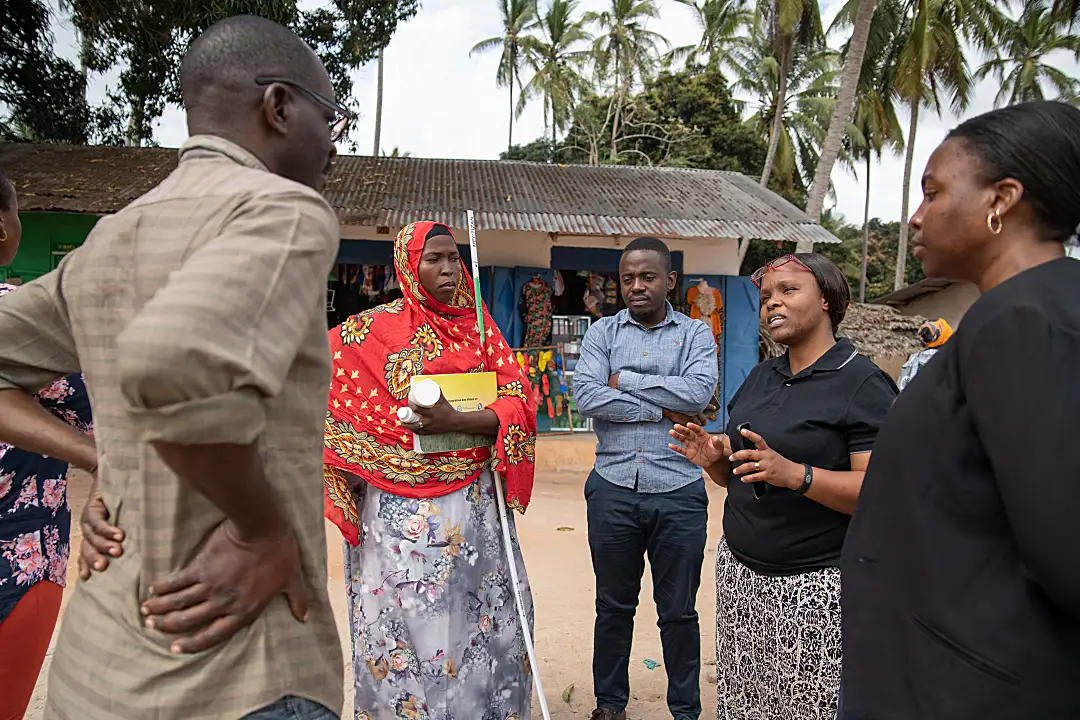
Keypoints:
pixel 740 339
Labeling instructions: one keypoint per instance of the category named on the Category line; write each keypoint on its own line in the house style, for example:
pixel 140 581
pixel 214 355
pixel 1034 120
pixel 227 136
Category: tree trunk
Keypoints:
pixel 617 98
pixel 510 135
pixel 778 120
pixel 845 103
pixel 378 106
pixel 905 204
pixel 551 152
pixel 865 234
pixel 131 136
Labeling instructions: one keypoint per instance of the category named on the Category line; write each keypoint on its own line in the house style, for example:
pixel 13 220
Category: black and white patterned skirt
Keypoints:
pixel 778 647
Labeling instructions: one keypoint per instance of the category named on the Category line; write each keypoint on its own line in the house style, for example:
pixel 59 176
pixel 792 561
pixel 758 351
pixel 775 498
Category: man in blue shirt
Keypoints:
pixel 640 372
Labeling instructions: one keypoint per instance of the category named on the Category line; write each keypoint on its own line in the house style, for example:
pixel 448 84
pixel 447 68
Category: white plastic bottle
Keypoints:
pixel 425 393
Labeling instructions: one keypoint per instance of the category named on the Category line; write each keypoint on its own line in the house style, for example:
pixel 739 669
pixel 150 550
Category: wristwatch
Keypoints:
pixel 808 478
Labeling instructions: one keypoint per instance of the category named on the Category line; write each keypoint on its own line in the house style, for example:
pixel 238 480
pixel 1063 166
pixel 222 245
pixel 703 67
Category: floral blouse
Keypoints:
pixel 35 519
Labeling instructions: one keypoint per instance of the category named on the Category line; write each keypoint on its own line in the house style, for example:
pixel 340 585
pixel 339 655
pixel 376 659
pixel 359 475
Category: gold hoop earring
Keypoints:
pixel 3 238
pixel 991 219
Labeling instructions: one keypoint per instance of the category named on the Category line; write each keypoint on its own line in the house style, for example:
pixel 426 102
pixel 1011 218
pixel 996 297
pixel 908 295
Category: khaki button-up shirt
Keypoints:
pixel 197 315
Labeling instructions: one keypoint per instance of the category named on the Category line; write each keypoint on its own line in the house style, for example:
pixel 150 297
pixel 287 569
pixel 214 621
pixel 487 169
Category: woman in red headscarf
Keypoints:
pixel 434 626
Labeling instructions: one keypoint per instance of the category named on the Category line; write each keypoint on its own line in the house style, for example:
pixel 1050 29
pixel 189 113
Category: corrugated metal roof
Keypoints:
pixel 562 199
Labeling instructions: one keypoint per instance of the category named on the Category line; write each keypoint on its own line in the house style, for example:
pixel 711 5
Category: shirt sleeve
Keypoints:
pixel 1018 373
pixel 593 397
pixel 202 357
pixel 36 344
pixel 867 412
pixel 691 390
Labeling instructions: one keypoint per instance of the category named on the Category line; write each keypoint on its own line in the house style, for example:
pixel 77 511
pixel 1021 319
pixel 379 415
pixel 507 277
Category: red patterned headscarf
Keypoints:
pixel 376 354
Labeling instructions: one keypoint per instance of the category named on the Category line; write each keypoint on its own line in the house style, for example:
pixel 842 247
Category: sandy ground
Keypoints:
pixel 562 581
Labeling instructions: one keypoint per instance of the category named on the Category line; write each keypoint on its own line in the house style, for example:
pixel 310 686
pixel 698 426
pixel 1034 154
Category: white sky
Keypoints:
pixel 439 102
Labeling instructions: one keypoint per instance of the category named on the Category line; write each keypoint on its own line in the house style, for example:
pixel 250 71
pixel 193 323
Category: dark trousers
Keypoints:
pixel 624 525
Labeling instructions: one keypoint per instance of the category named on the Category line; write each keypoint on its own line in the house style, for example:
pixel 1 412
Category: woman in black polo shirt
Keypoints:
pixel 813 415
pixel 962 568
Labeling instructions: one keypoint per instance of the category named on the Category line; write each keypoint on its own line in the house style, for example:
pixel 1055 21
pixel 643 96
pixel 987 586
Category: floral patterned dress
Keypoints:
pixel 35 519
pixel 435 630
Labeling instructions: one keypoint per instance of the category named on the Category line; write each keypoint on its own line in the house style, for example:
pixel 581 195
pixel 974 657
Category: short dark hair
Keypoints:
pixel 7 193
pixel 653 245
pixel 1038 145
pixel 834 286
pixel 231 53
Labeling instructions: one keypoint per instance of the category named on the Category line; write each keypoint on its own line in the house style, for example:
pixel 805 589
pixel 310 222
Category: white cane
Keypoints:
pixel 508 546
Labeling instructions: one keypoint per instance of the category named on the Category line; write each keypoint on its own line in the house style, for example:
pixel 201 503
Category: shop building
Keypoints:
pixel 549 239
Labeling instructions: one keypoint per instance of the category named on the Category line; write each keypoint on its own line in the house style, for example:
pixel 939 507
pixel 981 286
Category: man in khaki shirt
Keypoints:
pixel 197 315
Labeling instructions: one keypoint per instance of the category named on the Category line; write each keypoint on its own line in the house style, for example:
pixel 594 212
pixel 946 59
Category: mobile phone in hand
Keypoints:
pixel 741 442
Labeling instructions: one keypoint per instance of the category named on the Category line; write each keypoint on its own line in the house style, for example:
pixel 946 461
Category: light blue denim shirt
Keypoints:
pixel 673 366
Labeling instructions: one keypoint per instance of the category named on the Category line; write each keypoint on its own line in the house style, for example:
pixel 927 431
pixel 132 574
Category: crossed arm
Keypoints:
pixel 688 393
pixel 643 398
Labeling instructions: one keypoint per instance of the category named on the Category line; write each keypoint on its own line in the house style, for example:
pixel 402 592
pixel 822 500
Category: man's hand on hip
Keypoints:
pixel 225 587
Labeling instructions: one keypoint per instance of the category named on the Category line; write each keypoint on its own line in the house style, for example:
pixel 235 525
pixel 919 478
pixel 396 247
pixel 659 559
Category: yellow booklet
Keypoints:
pixel 466 392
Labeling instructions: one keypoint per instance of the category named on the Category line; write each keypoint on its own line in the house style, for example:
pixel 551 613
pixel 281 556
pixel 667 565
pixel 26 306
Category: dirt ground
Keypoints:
pixel 562 582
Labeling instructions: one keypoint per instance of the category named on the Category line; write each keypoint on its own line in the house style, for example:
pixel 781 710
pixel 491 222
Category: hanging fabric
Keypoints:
pixel 536 311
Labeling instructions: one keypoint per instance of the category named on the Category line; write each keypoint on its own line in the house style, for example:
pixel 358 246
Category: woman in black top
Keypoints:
pixel 962 566
pixel 813 415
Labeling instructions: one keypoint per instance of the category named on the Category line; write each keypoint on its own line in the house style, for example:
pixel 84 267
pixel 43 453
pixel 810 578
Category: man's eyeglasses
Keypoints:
pixel 342 117
pixel 776 265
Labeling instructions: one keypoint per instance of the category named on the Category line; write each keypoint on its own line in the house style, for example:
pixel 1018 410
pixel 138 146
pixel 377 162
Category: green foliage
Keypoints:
pixel 146 41
pixel 679 119
pixel 43 93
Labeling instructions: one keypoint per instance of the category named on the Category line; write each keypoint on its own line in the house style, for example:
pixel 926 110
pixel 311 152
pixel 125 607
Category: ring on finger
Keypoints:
pixel 757 466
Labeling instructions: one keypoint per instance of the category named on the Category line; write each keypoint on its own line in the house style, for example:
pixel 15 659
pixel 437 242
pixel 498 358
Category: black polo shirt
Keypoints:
pixel 820 416
pixel 962 566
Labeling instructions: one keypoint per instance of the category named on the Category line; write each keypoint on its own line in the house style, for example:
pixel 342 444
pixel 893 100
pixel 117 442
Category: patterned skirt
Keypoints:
pixel 435 629
pixel 778 647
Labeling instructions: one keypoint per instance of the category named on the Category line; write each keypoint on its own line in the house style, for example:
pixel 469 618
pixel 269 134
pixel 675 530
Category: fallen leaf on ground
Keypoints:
pixel 567 693
pixel 565 529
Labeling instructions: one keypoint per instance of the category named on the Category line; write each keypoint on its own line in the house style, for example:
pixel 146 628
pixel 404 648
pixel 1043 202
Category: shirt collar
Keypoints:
pixel 840 354
pixel 672 317
pixel 203 145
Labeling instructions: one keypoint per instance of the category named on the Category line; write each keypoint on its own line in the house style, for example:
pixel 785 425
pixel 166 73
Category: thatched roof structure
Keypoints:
pixel 878 331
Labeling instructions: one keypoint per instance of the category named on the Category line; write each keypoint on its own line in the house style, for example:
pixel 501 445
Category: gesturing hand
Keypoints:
pixel 698 446
pixel 225 587
pixel 763 464
pixel 100 540
pixel 440 418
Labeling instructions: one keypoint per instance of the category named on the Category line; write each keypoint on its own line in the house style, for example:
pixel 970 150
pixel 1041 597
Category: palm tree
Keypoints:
pixel 1067 12
pixel 1020 64
pixel 845 102
pixel 796 123
pixel 557 64
pixel 789 24
pixel 930 62
pixel 722 24
pixel 873 129
pixel 626 51
pixel 519 18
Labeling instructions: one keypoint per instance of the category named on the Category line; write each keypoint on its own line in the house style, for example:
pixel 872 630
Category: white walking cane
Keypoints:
pixel 511 561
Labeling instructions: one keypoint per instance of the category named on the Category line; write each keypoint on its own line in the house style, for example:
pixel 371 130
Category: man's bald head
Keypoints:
pixel 221 65
pixel 255 83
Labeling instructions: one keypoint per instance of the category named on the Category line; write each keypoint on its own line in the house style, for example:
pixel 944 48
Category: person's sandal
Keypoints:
pixel 606 714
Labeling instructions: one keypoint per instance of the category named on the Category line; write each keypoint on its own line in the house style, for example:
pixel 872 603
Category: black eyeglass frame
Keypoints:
pixel 339 126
